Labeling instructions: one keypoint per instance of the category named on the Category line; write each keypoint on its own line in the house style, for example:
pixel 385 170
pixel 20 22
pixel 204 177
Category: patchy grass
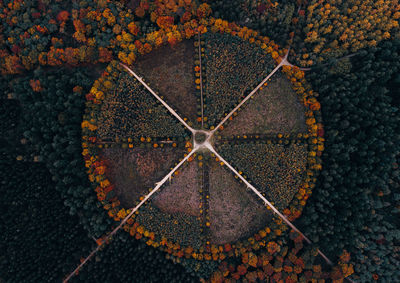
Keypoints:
pixel 274 109
pixel 274 169
pixel 135 171
pixel 178 227
pixel 170 71
pixel 234 212
pixel 132 111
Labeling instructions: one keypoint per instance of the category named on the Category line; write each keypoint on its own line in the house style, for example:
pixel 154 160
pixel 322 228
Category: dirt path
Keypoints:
pixel 250 186
pixel 282 63
pixel 133 210
pixel 158 98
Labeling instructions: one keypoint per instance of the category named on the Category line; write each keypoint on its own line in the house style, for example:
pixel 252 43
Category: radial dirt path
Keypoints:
pixel 133 210
pixel 284 62
pixel 158 98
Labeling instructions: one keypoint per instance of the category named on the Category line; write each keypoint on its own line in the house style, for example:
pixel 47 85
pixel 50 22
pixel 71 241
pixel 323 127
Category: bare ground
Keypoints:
pixel 170 71
pixel 234 212
pixel 274 109
pixel 135 171
pixel 182 195
pixel 173 211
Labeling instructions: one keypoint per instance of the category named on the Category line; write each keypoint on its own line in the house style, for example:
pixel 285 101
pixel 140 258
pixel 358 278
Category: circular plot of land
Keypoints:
pixel 153 119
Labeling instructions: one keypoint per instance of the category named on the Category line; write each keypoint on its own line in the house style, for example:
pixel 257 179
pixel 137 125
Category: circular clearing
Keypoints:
pixel 198 201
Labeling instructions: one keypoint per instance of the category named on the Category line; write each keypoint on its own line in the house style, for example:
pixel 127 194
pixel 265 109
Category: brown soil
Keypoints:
pixel 174 210
pixel 135 171
pixel 274 109
pixel 182 194
pixel 234 212
pixel 170 71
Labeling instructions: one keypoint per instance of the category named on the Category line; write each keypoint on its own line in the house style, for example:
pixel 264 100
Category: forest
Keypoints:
pixel 66 102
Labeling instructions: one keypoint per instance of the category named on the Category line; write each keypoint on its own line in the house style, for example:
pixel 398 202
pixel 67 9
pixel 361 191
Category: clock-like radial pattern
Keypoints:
pixel 191 139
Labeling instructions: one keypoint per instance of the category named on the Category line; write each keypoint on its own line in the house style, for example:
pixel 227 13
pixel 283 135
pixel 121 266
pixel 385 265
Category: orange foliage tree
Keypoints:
pixel 334 28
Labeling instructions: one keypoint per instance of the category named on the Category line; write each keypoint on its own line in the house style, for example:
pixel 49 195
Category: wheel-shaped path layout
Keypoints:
pixel 203 144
